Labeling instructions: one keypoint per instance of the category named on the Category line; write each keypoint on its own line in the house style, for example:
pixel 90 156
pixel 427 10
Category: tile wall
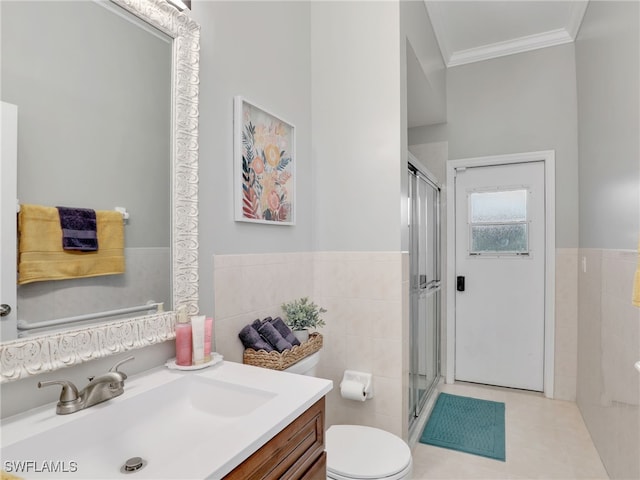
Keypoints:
pixel 608 386
pixel 364 295
pixel 253 286
pixel 566 309
pixel 145 279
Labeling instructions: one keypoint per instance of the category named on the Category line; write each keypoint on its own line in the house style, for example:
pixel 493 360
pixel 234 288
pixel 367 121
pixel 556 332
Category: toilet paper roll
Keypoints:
pixel 353 390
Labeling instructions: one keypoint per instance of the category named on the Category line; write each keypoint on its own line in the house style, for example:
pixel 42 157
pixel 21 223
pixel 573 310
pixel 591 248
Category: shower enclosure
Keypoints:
pixel 425 290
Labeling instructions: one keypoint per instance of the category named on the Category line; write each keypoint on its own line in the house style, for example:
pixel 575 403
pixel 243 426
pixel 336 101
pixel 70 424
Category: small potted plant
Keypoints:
pixel 301 315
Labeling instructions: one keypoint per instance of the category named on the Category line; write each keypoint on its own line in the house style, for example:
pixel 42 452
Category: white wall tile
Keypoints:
pixel 363 293
pixel 608 387
pixel 566 324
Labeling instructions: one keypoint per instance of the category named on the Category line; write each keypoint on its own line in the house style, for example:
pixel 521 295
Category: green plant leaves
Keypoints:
pixel 302 314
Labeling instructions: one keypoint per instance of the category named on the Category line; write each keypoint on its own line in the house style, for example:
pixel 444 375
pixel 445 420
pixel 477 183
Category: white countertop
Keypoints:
pixel 217 447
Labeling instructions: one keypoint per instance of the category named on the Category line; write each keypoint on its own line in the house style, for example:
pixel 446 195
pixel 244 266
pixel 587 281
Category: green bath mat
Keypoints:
pixel 468 425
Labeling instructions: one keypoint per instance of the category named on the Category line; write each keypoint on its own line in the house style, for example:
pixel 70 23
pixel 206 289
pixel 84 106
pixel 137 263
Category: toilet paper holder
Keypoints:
pixel 363 378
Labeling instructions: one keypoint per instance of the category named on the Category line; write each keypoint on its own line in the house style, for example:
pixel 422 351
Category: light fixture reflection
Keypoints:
pixel 181 4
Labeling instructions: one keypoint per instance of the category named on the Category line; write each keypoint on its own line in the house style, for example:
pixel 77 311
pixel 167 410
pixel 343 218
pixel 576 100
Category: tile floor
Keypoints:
pixel 545 439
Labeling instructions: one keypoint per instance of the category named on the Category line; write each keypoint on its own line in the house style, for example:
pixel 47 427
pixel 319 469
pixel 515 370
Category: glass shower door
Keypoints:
pixel 424 254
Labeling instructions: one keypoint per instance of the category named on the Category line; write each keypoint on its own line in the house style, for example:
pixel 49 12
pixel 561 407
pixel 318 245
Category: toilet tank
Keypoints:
pixel 306 366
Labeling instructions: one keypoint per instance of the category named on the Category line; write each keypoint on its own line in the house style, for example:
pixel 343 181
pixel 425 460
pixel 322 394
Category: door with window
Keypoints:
pixel 500 269
pixel 8 199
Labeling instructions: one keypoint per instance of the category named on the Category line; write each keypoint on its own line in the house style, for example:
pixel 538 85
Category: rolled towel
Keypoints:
pixel 257 323
pixel 271 335
pixel 79 229
pixel 284 330
pixel 251 339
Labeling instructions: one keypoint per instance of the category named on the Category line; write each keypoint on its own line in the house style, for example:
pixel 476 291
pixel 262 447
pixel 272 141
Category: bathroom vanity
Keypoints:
pixel 297 452
pixel 228 421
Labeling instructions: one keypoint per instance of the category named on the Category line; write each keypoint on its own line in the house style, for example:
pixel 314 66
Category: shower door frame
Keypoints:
pixel 430 288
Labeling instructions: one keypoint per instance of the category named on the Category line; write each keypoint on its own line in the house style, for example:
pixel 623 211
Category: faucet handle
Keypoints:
pixel 69 391
pixel 115 367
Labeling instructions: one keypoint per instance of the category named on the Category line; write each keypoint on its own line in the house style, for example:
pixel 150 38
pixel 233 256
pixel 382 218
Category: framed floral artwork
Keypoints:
pixel 264 166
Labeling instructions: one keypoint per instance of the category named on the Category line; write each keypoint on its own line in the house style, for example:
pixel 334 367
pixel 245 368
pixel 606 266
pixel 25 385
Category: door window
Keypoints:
pixel 498 222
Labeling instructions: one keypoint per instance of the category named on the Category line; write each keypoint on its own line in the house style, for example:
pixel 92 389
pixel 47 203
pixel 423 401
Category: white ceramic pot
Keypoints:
pixel 301 335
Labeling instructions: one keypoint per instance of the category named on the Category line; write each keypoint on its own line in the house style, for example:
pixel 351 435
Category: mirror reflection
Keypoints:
pixel 93 90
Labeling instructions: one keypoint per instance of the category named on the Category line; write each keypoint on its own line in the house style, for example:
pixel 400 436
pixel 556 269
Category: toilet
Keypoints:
pixel 356 452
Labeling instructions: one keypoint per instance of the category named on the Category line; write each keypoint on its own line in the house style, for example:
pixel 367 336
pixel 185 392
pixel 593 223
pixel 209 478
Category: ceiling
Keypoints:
pixel 471 31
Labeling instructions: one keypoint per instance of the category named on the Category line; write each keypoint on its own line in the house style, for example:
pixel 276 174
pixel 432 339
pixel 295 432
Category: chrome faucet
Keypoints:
pixel 99 389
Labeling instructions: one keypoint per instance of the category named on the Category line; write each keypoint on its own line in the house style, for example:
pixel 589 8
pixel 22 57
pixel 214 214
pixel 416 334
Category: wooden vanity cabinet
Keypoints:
pixel 296 453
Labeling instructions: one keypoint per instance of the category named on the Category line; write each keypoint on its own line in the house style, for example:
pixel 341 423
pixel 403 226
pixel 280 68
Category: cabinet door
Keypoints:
pixel 291 453
pixel 318 470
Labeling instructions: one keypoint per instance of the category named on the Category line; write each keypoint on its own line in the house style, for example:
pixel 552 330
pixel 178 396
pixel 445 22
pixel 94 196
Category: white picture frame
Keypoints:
pixel 264 166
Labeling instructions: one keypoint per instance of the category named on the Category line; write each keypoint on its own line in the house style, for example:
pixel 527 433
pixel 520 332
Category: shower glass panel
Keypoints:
pixel 424 254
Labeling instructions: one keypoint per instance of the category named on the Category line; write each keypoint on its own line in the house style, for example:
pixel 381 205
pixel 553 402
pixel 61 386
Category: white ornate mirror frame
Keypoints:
pixel 47 352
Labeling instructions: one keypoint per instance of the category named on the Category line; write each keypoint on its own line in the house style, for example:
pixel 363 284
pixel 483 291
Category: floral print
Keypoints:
pixel 273 155
pixel 267 167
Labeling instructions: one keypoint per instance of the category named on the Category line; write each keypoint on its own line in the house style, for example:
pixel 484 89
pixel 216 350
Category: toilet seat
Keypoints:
pixel 359 452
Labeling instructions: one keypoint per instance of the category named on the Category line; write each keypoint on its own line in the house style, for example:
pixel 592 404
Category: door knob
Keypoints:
pixel 5 310
pixel 460 284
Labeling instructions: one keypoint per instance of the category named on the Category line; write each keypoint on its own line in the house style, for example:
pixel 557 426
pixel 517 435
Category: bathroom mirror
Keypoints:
pixel 42 352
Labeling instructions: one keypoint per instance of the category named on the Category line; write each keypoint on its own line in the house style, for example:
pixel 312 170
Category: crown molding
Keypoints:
pixel 510 47
pixel 518 45
pixel 578 9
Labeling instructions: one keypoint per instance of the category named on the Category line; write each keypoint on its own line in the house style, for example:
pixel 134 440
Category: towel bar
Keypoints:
pixel 24 325
pixel 122 210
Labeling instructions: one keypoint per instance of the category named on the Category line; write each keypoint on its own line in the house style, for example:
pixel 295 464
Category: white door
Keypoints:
pixel 500 269
pixel 8 187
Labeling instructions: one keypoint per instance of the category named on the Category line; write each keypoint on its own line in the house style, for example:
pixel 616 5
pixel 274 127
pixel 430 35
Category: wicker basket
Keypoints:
pixel 281 361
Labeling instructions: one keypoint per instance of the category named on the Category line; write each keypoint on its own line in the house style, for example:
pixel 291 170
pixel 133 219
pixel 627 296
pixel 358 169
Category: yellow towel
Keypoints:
pixel 8 476
pixel 41 256
pixel 636 283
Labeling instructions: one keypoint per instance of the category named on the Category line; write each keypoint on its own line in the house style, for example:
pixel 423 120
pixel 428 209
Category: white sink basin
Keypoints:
pixel 182 424
pixel 194 397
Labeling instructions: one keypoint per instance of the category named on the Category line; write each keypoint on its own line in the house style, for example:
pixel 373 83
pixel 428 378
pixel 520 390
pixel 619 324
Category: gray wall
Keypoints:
pixel 608 79
pixel 417 36
pixel 429 95
pixel 428 134
pixel 357 165
pixel 259 50
pixel 93 132
pixel 608 66
pixel 93 113
pixel 518 103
